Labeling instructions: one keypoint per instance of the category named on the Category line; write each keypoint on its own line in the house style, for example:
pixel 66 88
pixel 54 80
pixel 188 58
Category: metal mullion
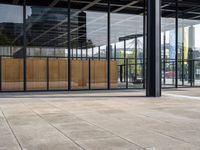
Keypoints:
pixel 136 58
pixel 115 51
pixel 47 73
pixel 81 51
pixel 86 47
pixel 183 56
pixel 126 72
pixel 69 45
pixel 124 60
pixel 76 52
pixel 164 56
pixel 144 45
pixel 24 44
pixel 108 47
pixel 92 52
pixel 89 74
pixel 99 52
pixel 176 59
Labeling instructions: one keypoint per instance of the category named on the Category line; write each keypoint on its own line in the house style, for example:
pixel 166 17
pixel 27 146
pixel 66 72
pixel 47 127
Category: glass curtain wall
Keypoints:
pixel 40 31
pixel 168 43
pixel 46 41
pixel 189 48
pixel 126 25
pixel 89 38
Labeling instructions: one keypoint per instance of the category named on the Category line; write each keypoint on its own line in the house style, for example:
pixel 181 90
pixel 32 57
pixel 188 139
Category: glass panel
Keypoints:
pixel 168 44
pixel 127 43
pixel 197 73
pixel 89 37
pixel 189 47
pixel 46 33
pixel 11 44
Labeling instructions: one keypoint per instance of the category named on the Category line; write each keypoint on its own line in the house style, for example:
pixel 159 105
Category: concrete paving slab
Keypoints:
pixel 109 144
pixel 7 139
pixel 100 120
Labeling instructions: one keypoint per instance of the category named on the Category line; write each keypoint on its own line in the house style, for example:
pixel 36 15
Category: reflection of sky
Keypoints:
pixel 28 11
pixel 11 14
pixel 197 35
pixel 121 24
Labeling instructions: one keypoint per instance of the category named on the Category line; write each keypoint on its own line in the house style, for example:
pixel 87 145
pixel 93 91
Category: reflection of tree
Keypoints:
pixel 132 59
pixel 131 63
pixel 90 43
pixel 4 40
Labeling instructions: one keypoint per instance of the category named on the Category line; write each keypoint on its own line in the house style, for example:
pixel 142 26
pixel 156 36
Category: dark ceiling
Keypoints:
pixel 188 9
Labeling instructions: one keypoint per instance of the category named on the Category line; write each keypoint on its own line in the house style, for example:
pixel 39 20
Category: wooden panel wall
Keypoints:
pixel 12 74
pixel 58 73
pixel 80 74
pixel 113 74
pixel 36 73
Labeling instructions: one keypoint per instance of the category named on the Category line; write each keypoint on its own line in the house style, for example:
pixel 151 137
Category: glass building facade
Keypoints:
pixel 94 44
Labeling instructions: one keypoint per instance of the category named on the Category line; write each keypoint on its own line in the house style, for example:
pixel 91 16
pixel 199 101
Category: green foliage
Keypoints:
pixel 4 40
pixel 131 62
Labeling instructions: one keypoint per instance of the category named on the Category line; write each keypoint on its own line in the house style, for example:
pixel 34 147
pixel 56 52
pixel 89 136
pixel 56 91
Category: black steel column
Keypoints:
pixel 176 56
pixel 153 49
pixel 69 46
pixel 24 42
pixel 0 74
pixel 108 47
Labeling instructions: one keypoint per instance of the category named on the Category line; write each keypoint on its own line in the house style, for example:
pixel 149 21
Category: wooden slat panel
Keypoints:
pixel 12 74
pixel 36 73
pixel 99 74
pixel 58 73
pixel 113 74
pixel 80 74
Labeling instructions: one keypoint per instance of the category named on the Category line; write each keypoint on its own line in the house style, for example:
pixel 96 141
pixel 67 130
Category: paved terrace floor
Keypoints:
pixel 101 120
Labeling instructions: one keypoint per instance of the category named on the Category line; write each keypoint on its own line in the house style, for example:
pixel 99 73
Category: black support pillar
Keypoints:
pixel 153 79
